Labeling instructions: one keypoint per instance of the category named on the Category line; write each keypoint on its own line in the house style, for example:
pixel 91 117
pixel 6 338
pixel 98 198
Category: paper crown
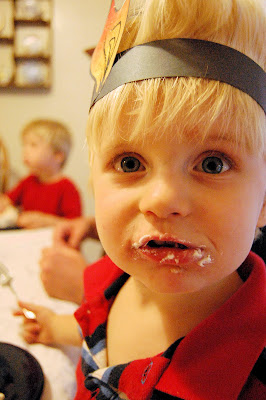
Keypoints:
pixel 104 54
pixel 170 58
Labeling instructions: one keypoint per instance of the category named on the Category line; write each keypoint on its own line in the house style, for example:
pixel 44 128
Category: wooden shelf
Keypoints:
pixel 34 21
pixel 25 47
pixel 6 40
pixel 15 86
pixel 45 59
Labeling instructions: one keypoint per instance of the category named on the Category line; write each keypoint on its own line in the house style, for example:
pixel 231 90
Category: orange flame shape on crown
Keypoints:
pixel 105 52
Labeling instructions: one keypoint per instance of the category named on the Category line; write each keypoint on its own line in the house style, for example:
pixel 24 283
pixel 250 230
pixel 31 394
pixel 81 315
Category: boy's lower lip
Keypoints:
pixel 173 256
pixel 168 250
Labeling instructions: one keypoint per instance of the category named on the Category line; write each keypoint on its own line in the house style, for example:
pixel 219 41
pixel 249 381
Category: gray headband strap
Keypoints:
pixel 187 58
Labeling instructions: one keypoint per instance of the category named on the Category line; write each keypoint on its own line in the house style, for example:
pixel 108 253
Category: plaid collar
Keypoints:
pixel 212 362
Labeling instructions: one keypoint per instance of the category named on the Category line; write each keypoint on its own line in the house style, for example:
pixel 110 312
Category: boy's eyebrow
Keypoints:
pixel 117 147
pixel 220 138
pixel 129 146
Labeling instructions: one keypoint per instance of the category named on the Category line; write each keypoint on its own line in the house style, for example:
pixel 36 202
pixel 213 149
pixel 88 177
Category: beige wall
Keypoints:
pixel 77 25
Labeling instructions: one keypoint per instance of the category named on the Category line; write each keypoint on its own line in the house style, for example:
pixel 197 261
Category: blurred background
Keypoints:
pixel 75 26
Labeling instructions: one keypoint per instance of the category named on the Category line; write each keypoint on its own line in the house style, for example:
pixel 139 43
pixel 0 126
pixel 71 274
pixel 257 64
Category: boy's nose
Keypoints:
pixel 166 197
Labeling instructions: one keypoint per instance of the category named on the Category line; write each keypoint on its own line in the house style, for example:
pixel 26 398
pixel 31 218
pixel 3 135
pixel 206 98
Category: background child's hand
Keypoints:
pixel 4 202
pixel 49 328
pixel 39 330
pixel 72 232
pixel 36 219
pixel 62 272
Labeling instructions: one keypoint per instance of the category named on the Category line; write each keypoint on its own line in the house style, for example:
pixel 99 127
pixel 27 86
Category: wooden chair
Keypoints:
pixel 4 167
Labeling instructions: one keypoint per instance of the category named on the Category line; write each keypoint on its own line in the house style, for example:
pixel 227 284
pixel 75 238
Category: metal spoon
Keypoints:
pixel 5 280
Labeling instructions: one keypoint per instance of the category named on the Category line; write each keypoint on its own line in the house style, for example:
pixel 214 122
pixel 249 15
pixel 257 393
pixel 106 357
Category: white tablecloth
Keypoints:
pixel 20 252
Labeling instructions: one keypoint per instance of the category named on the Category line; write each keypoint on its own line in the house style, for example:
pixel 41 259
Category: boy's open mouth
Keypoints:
pixel 171 252
pixel 165 243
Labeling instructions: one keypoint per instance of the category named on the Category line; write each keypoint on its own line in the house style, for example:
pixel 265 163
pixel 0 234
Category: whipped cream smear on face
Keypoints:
pixel 141 241
pixel 198 255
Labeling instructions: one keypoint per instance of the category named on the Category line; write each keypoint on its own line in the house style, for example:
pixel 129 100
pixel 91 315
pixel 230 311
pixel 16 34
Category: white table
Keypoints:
pixel 20 252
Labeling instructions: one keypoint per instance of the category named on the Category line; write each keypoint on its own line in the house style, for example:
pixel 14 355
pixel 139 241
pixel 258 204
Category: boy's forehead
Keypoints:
pixel 176 131
pixel 33 131
pixel 35 135
pixel 30 134
pixel 176 115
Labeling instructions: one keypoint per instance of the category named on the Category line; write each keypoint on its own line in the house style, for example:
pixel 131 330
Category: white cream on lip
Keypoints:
pixel 175 270
pixel 205 261
pixel 146 238
pixel 141 241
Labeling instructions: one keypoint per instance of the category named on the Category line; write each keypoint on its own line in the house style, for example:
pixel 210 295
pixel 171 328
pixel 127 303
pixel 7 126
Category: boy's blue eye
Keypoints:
pixel 213 165
pixel 130 164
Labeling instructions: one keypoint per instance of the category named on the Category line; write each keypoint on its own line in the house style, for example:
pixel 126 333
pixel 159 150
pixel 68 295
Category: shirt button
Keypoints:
pixel 146 372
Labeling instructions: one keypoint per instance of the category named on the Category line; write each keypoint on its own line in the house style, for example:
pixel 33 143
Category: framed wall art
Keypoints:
pixel 25 43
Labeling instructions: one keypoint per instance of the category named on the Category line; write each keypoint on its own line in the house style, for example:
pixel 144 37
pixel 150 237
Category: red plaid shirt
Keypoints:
pixel 221 359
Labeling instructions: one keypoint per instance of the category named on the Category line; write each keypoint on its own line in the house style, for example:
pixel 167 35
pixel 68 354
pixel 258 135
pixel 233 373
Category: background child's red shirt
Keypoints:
pixel 59 198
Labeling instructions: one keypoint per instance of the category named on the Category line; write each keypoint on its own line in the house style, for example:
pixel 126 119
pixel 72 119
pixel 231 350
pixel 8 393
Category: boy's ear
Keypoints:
pixel 262 217
pixel 60 156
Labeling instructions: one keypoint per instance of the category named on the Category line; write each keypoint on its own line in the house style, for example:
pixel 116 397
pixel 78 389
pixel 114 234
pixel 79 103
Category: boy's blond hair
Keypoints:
pixel 154 105
pixel 55 133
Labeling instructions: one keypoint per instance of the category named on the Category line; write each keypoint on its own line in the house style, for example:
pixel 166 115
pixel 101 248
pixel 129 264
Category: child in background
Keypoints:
pixel 4 167
pixel 45 196
pixel 176 310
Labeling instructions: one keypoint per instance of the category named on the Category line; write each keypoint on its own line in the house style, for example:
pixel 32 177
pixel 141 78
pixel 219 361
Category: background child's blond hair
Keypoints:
pixel 55 133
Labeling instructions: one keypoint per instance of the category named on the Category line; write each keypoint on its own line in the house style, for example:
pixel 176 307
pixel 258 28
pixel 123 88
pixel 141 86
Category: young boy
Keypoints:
pixel 3 167
pixel 45 196
pixel 177 308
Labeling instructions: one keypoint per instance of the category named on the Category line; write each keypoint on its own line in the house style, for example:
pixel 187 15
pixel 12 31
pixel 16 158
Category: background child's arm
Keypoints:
pixel 4 202
pixel 37 219
pixel 72 232
pixel 49 328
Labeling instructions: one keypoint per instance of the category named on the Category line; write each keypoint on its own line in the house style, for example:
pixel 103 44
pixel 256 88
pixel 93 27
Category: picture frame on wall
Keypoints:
pixel 25 43
pixel 6 19
pixel 32 73
pixel 7 64
pixel 28 10
pixel 32 41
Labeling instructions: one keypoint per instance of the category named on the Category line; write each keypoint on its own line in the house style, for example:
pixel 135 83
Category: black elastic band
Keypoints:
pixel 187 58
